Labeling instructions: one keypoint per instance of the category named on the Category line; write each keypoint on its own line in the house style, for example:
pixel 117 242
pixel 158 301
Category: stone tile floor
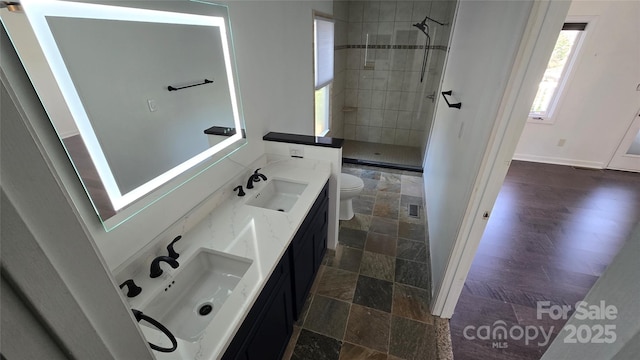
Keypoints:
pixel 370 299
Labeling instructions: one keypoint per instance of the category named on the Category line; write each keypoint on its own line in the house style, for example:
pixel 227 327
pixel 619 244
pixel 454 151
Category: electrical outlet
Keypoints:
pixel 152 105
pixel 296 151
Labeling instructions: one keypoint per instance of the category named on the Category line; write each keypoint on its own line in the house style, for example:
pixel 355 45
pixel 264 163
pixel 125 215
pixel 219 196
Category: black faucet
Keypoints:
pixel 132 289
pixel 172 252
pixel 239 190
pixel 255 177
pixel 155 265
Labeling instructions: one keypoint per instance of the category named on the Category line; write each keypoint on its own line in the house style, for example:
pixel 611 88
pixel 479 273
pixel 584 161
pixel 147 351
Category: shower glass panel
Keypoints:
pixel 383 101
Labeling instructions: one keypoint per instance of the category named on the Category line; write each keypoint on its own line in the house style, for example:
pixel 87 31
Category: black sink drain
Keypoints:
pixel 281 210
pixel 205 309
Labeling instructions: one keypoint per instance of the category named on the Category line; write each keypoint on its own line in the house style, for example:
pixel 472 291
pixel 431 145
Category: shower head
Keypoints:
pixel 423 26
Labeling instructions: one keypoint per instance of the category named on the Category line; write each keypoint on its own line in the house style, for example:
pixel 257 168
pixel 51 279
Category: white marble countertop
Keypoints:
pixel 235 228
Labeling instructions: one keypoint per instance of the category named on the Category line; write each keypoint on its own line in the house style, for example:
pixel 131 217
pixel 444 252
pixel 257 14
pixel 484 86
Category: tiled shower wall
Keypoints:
pixel 378 96
pixel 341 18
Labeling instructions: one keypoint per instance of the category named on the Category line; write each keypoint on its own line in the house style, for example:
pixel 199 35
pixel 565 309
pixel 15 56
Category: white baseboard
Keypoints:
pixel 560 161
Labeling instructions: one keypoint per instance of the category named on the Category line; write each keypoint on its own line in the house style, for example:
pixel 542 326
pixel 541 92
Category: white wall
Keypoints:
pixel 16 320
pixel 274 50
pixel 601 100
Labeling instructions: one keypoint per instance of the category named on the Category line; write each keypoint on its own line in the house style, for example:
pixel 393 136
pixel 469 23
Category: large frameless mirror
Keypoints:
pixel 143 99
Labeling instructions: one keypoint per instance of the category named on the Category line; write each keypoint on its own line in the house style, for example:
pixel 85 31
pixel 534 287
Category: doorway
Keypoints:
pixel 553 231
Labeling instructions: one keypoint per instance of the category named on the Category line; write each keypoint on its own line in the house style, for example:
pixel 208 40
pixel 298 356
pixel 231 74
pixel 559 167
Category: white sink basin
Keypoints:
pixel 197 293
pixel 278 195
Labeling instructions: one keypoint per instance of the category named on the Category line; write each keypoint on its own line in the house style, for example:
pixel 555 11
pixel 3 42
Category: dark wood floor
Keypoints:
pixel 553 231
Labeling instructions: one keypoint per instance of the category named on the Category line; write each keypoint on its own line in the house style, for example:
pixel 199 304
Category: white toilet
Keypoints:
pixel 350 187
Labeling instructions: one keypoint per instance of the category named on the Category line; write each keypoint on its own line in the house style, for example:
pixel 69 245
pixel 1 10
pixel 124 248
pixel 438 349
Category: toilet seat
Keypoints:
pixel 349 182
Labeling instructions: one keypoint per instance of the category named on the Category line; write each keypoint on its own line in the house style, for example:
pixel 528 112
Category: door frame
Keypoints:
pixel 541 32
pixel 623 147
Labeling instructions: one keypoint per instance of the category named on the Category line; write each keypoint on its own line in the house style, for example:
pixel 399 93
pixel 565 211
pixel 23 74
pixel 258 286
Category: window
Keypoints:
pixel 323 72
pixel 322 112
pixel 558 69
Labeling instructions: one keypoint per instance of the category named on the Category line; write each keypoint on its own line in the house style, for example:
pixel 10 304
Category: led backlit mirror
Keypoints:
pixel 142 98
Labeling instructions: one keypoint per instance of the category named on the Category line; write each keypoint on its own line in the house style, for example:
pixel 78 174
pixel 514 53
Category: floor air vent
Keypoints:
pixel 414 211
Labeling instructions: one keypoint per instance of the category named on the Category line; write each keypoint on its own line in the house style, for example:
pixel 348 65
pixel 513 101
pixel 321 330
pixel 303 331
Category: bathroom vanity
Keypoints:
pixel 272 253
pixel 266 330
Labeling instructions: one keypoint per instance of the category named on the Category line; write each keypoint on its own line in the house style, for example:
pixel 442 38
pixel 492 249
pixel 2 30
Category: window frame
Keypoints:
pixel 549 118
pixel 325 84
pixel 327 105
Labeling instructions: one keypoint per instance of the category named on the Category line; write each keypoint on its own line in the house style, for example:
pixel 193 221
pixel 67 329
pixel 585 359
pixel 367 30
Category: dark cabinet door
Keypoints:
pixel 303 271
pixel 272 335
pixel 268 325
pixel 311 247
pixel 320 234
